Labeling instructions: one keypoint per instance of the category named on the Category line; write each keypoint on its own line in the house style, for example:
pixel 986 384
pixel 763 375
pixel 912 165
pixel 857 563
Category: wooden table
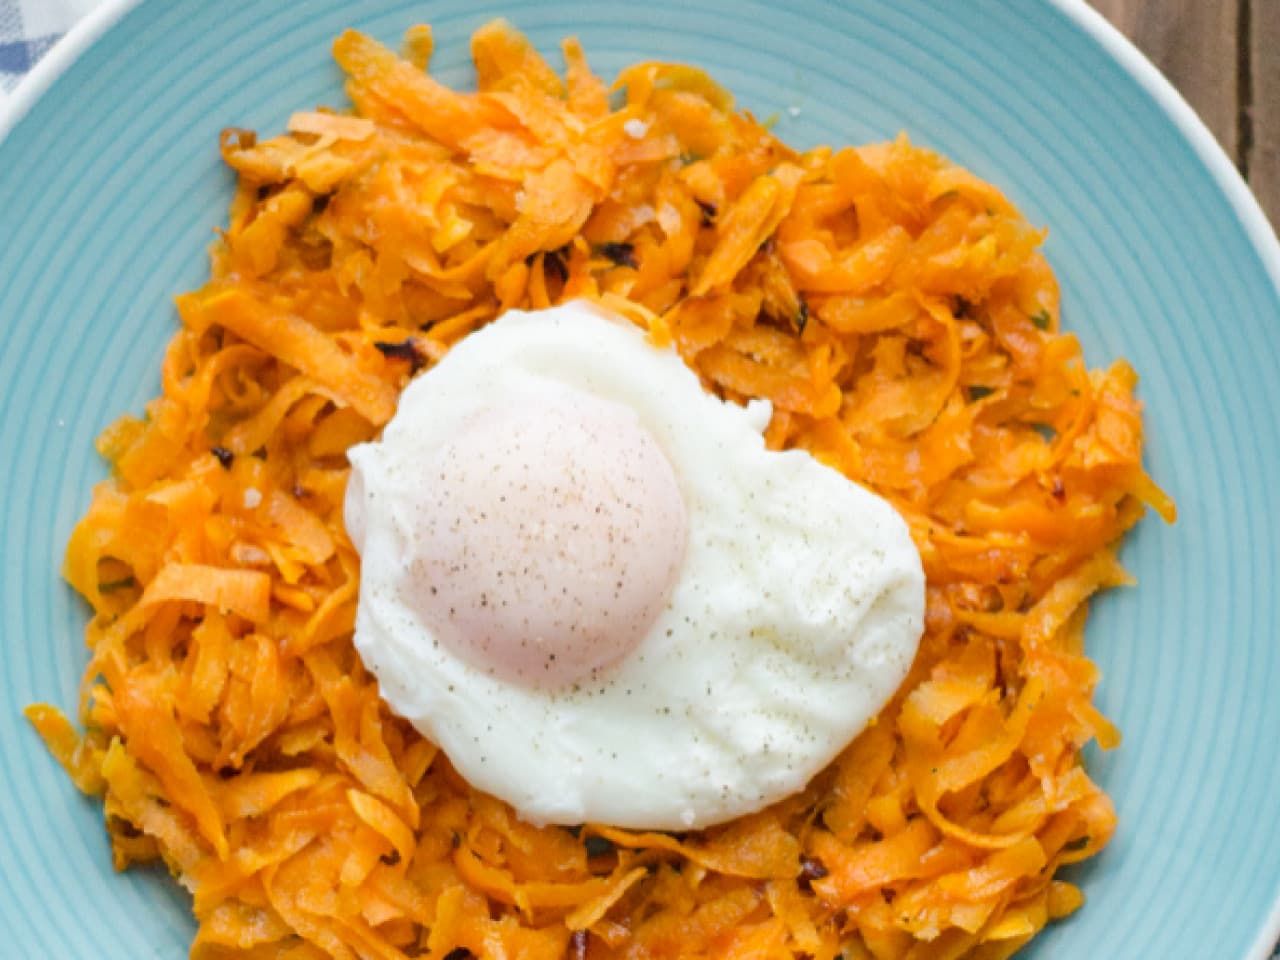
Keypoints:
pixel 1224 55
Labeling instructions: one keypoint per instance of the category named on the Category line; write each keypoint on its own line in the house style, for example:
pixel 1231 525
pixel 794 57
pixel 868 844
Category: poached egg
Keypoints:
pixel 586 579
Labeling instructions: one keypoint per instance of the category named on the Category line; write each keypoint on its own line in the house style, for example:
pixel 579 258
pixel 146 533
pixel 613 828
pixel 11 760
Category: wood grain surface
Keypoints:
pixel 1262 153
pixel 1224 56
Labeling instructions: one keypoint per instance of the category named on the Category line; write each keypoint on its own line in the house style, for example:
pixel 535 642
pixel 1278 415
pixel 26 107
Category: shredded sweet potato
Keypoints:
pixel 896 311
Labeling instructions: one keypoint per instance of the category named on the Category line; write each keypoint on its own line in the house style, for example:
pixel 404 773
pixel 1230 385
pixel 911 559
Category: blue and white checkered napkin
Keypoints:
pixel 28 28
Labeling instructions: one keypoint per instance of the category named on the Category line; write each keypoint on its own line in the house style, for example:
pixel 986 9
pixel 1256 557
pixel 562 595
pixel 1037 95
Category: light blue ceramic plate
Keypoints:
pixel 110 184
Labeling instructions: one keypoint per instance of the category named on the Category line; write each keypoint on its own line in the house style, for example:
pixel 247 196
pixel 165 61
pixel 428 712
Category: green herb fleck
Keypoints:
pixel 1041 320
pixel 978 392
pixel 802 316
pixel 1047 433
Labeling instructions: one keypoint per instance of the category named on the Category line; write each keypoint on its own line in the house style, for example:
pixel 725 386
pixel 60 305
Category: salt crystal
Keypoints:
pixel 252 498
pixel 635 128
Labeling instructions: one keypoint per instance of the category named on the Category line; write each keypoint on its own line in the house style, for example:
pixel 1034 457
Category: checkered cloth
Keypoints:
pixel 28 28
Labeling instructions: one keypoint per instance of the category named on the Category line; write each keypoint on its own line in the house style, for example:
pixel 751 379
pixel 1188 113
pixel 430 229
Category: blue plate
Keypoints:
pixel 110 184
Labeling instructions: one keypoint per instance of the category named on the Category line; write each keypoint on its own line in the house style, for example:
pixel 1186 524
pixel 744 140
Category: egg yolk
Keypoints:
pixel 552 539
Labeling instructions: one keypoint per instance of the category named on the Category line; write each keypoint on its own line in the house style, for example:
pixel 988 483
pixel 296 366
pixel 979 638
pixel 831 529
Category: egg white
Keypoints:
pixel 797 613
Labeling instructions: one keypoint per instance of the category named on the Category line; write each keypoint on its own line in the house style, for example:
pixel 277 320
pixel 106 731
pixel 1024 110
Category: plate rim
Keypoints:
pixel 1262 235
pixel 1228 179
